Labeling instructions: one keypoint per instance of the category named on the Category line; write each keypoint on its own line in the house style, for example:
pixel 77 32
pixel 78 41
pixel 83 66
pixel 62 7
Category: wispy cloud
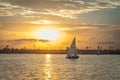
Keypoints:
pixel 105 42
pixel 7 9
pixel 63 8
pixel 24 40
pixel 90 27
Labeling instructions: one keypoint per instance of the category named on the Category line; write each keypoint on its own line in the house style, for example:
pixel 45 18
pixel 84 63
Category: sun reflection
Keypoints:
pixel 48 68
pixel 48 56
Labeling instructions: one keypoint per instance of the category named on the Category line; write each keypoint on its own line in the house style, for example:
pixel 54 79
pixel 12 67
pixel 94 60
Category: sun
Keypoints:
pixel 48 34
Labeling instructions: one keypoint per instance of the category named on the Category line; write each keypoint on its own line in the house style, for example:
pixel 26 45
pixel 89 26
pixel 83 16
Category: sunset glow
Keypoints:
pixel 49 23
pixel 48 39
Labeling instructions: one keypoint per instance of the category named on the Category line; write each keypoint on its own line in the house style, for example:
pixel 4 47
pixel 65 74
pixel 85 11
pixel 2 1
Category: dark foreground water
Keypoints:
pixel 57 67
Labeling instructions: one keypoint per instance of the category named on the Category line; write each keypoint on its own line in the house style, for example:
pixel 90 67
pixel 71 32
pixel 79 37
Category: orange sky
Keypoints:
pixel 52 24
pixel 41 36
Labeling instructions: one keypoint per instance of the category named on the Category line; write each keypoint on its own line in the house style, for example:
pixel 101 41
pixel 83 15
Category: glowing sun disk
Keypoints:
pixel 49 34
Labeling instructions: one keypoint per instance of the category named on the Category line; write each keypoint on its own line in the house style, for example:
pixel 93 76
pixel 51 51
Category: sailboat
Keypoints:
pixel 72 51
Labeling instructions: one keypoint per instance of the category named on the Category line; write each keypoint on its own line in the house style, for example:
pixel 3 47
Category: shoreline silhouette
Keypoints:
pixel 55 51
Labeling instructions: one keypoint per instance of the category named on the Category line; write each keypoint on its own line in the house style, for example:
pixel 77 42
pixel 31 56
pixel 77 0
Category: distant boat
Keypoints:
pixel 72 52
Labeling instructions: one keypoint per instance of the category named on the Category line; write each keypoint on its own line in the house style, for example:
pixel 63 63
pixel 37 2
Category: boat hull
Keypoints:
pixel 72 57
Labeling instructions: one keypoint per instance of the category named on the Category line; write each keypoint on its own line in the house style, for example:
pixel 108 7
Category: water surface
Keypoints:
pixel 57 67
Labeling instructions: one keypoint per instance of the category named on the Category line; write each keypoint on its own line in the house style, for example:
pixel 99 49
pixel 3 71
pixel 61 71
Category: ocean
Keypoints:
pixel 57 67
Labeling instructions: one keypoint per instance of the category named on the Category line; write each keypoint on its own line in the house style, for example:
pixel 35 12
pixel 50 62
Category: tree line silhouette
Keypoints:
pixel 88 50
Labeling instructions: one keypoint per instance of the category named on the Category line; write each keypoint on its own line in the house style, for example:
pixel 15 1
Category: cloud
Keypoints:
pixel 24 40
pixel 0 25
pixel 89 27
pixel 7 9
pixel 106 42
pixel 41 40
pixel 62 8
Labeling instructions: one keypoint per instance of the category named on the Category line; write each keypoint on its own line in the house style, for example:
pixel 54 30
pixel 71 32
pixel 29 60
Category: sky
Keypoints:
pixel 92 22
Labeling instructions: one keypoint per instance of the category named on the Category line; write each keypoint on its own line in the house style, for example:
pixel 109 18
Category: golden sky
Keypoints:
pixel 52 24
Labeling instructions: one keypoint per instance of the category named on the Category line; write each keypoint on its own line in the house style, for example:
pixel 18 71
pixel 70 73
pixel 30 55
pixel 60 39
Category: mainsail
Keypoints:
pixel 72 50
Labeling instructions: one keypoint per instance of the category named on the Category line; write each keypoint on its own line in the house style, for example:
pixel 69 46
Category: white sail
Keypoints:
pixel 72 50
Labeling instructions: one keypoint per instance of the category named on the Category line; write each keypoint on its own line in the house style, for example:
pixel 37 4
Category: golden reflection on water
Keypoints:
pixel 48 56
pixel 48 66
